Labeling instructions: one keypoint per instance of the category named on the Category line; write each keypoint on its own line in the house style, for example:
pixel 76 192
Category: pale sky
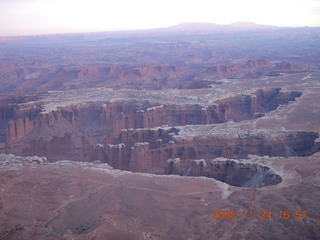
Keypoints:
pixel 29 17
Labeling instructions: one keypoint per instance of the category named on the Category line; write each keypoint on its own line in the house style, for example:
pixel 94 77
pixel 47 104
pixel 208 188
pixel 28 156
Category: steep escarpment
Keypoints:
pixel 113 116
pixel 239 174
pixel 19 108
pixel 140 136
pixel 241 107
pixel 13 107
pixel 242 174
pixel 96 120
pixel 208 147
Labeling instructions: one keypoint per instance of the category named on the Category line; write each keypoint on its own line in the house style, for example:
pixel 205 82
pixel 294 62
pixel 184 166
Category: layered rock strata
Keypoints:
pixel 242 174
pixel 138 135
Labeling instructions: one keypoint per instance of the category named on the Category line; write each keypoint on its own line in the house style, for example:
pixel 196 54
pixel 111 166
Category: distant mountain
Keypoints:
pixel 188 28
pixel 250 25
pixel 194 26
pixel 208 27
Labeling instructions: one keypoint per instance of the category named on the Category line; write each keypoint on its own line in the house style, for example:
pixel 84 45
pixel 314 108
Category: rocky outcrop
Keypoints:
pixel 173 166
pixel 287 66
pixel 232 172
pixel 284 67
pixel 116 156
pixel 141 158
pixel 198 167
pixel 256 63
pixel 223 69
pixel 56 148
pixel 241 107
pixel 156 137
pixel 13 107
pixel 242 174
pixel 20 108
pixel 19 128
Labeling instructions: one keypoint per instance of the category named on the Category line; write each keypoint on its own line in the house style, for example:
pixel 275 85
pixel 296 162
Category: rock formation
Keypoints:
pixel 127 135
pixel 242 174
pixel 198 167
pixel 173 166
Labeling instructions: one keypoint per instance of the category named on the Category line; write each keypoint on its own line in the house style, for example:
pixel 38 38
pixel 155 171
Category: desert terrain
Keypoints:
pixel 191 132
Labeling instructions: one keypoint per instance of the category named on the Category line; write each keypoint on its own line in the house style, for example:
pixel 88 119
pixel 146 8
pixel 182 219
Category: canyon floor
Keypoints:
pixel 205 147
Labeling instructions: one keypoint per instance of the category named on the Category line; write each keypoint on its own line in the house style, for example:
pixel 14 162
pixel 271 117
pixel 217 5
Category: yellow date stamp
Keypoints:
pixel 262 214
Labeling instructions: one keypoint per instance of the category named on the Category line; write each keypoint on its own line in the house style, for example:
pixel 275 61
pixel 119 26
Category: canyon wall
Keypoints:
pixel 207 147
pixel 20 108
pixel 112 117
pixel 241 174
pixel 128 135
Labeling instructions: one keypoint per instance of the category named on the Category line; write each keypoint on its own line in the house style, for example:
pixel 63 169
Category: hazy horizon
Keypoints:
pixel 37 17
pixel 146 29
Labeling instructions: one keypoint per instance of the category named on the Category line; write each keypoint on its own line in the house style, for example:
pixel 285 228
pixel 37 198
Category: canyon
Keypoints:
pixel 132 135
pixel 153 134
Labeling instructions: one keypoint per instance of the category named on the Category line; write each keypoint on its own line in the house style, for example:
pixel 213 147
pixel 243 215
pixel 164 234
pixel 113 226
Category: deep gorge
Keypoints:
pixel 140 136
